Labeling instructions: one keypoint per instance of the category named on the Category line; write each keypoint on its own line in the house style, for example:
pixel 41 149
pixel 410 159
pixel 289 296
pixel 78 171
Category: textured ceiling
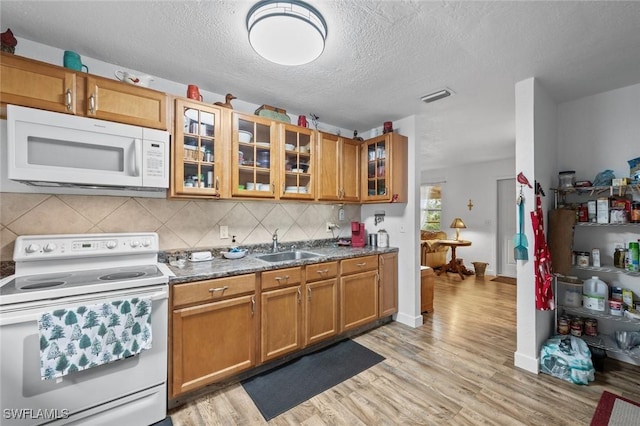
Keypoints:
pixel 380 58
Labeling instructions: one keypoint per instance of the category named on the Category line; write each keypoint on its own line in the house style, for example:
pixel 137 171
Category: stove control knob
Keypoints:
pixel 50 247
pixel 135 243
pixel 146 243
pixel 32 248
pixel 111 244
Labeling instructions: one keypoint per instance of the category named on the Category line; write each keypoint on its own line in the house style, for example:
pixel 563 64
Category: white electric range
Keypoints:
pixel 61 273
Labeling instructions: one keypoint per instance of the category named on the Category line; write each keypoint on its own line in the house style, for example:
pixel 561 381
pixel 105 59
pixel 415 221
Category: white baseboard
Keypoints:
pixel 411 321
pixel 527 363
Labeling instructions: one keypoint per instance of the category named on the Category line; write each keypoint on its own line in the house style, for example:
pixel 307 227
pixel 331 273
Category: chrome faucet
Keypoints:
pixel 274 237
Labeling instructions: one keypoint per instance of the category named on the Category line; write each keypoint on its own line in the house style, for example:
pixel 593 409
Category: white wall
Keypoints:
pixel 401 222
pixel 600 132
pixel 478 183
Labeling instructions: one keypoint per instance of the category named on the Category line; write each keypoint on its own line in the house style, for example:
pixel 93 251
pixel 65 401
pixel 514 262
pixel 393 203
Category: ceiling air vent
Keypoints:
pixel 440 94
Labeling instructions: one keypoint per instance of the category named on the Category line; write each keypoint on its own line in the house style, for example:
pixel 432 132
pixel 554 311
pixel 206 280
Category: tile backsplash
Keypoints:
pixel 181 224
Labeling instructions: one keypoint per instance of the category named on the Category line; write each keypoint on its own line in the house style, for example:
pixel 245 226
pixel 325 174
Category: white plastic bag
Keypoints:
pixel 568 358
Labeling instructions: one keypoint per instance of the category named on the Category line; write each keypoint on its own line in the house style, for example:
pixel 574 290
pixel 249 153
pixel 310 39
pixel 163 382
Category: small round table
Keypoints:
pixel 453 265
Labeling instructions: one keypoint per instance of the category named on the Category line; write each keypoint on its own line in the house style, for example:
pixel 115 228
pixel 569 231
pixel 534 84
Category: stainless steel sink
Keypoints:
pixel 287 255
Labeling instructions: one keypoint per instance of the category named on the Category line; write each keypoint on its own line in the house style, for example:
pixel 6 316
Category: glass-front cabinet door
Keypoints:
pixel 297 159
pixel 254 156
pixel 384 169
pixel 375 158
pixel 198 150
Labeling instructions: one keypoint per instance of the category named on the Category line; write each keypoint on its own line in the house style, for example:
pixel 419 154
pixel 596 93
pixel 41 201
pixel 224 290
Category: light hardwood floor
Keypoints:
pixel 456 369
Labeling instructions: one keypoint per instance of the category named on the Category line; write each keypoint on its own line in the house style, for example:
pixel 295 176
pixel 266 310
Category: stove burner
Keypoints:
pixel 45 284
pixel 48 277
pixel 121 276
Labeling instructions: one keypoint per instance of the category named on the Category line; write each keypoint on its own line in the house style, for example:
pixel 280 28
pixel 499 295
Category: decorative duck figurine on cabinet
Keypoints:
pixel 227 102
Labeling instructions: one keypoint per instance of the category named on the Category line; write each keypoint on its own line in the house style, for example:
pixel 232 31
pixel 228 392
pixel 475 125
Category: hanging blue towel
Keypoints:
pixel 86 336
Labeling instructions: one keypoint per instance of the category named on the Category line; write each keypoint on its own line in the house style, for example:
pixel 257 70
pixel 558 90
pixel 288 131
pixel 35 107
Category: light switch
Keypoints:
pixel 224 232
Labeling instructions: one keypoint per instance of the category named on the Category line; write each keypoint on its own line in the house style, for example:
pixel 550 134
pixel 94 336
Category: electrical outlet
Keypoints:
pixel 330 226
pixel 341 215
pixel 402 228
pixel 224 232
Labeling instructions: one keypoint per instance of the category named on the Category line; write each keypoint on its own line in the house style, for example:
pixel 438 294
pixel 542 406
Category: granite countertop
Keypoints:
pixel 220 267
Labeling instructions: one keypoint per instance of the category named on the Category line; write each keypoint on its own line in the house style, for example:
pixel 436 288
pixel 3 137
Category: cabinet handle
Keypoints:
pixel 309 293
pixel 283 188
pixel 382 260
pixel 217 183
pixel 299 295
pixel 322 271
pixel 253 305
pixel 341 193
pixel 69 99
pixel 222 289
pixel 92 104
pixel 361 264
pixel 285 278
pixel 273 188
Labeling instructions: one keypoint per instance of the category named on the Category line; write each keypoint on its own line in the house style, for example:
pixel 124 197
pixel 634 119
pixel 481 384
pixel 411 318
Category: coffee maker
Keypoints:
pixel 358 235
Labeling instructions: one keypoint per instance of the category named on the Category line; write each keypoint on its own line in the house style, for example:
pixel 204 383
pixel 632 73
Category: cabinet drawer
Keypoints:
pixel 359 264
pixel 321 271
pixel 281 278
pixel 211 290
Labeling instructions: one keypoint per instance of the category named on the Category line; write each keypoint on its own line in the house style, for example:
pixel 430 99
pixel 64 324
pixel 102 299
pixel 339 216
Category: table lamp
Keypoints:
pixel 457 224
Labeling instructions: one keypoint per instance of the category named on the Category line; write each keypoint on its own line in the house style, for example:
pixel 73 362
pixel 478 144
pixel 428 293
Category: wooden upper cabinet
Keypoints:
pixel 297 162
pixel 350 169
pixel 200 150
pixel 35 84
pixel 384 169
pixel 254 156
pixel 116 101
pixel 339 168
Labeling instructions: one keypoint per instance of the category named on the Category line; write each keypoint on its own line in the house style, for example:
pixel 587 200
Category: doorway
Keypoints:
pixel 506 226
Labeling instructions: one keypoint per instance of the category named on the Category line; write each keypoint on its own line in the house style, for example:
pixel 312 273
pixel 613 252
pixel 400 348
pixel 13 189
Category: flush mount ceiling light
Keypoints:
pixel 440 94
pixel 286 32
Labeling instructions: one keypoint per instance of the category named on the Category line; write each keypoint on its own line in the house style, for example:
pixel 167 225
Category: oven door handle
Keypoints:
pixel 159 296
pixel 33 316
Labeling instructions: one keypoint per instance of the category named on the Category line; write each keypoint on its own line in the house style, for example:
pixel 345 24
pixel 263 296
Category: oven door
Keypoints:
pixel 130 391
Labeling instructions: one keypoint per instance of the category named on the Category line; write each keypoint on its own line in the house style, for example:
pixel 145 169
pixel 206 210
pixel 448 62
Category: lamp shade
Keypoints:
pixel 457 224
pixel 286 32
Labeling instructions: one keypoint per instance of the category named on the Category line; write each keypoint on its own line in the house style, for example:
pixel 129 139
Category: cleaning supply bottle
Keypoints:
pixel 594 294
pixel 634 257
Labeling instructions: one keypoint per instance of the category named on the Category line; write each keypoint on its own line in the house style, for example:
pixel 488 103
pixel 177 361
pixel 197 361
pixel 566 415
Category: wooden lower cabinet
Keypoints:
pixel 388 268
pixel 212 342
pixel 358 292
pixel 222 327
pixel 281 325
pixel 321 303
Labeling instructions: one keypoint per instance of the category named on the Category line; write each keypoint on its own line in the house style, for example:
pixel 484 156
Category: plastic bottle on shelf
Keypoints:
pixel 594 294
pixel 634 257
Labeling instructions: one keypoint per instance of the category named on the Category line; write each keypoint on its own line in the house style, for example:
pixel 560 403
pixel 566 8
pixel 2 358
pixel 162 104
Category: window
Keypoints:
pixel 430 207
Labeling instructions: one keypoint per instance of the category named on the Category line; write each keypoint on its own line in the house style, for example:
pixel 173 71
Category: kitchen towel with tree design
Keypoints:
pixel 86 336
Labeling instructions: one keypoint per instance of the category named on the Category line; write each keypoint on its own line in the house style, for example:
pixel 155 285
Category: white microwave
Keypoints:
pixel 52 149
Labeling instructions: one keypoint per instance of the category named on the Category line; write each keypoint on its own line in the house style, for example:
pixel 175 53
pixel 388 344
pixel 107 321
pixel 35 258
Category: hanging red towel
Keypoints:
pixel 541 261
